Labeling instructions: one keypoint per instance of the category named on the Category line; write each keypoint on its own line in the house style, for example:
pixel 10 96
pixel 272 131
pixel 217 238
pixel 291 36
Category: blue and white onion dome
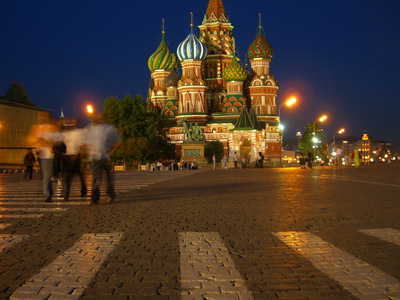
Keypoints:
pixel 191 48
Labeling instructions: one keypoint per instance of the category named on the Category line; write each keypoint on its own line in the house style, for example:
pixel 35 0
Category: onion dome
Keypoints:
pixel 234 71
pixel 260 48
pixel 191 48
pixel 172 79
pixel 163 58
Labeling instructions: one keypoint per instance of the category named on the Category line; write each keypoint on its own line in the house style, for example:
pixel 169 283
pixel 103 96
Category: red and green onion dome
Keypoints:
pixel 234 71
pixel 172 79
pixel 260 48
pixel 163 58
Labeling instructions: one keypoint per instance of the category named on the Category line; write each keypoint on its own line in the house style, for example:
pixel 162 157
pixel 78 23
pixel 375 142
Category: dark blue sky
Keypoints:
pixel 339 57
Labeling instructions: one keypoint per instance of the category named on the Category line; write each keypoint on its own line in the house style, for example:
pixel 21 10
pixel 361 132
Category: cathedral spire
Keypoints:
pixel 215 12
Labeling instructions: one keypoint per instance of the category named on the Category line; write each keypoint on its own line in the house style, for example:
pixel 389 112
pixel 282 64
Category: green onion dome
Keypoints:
pixel 260 48
pixel 234 71
pixel 172 79
pixel 163 58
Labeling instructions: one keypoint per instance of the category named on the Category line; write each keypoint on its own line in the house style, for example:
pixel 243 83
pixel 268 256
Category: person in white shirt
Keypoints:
pixel 74 140
pixel 101 139
pixel 43 133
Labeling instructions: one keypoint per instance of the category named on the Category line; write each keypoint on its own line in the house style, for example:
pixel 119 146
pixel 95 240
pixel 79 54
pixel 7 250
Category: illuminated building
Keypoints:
pixel 365 148
pixel 230 103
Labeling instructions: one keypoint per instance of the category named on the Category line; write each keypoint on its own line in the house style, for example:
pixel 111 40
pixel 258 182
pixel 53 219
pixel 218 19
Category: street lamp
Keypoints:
pixel 315 140
pixel 341 130
pixel 90 111
pixel 289 103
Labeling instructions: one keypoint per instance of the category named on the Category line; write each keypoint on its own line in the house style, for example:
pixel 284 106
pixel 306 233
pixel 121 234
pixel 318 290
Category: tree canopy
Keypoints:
pixel 142 128
pixel 306 143
pixel 211 148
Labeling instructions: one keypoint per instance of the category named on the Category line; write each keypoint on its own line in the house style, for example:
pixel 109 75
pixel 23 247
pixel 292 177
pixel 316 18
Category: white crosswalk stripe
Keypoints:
pixel 358 277
pixel 387 234
pixel 26 197
pixel 207 270
pixel 71 272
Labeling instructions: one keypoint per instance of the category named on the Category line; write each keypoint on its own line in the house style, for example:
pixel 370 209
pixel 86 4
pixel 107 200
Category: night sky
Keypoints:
pixel 338 57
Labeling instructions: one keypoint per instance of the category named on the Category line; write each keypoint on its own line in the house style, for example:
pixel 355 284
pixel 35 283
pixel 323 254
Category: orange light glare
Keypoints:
pixel 341 131
pixel 89 109
pixel 323 118
pixel 291 101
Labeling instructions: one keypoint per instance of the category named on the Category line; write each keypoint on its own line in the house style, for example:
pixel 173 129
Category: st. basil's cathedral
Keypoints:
pixel 229 104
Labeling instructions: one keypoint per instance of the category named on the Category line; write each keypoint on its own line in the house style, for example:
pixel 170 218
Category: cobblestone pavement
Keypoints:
pixel 224 234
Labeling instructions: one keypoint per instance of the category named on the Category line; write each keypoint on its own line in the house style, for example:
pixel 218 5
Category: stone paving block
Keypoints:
pixel 29 296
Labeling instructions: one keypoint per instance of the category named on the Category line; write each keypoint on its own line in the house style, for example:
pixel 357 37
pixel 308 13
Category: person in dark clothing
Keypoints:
pixel 29 161
pixel 309 160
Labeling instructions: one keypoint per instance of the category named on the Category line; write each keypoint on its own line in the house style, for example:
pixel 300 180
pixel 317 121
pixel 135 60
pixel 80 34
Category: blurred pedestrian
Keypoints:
pixel 260 160
pixel 225 161
pixel 339 156
pixel 44 134
pixel 214 158
pixel 377 156
pixel 235 159
pixel 356 157
pixel 29 161
pixel 71 160
pixel 101 140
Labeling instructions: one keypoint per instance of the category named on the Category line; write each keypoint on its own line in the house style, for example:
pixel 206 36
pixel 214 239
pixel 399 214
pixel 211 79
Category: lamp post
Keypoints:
pixel 289 103
pixel 315 140
pixel 90 111
pixel 341 130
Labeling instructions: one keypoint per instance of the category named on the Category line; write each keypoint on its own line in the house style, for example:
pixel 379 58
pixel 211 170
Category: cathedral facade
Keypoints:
pixel 215 91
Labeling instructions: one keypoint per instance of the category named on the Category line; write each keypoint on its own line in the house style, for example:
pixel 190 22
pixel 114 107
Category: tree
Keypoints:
pixel 143 129
pixel 306 143
pixel 211 148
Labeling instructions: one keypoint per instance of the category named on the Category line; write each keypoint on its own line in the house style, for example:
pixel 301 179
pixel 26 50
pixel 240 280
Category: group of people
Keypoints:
pixel 59 155
pixel 171 166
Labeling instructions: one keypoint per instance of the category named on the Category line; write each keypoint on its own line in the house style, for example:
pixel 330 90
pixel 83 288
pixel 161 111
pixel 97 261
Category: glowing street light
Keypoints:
pixel 340 131
pixel 89 109
pixel 288 103
pixel 321 119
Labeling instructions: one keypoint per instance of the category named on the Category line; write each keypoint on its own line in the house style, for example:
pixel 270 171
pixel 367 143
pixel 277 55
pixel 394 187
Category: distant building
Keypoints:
pixel 17 115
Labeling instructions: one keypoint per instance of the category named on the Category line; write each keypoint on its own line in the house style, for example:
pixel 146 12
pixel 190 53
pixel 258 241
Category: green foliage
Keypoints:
pixel 306 142
pixel 143 130
pixel 211 148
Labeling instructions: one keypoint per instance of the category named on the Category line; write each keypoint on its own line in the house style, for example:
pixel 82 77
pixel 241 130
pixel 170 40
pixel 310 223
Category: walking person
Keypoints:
pixel 71 160
pixel 260 160
pixel 44 134
pixel 235 159
pixel 356 157
pixel 339 156
pixel 214 158
pixel 29 161
pixel 101 139
pixel 309 155
pixel 225 161
pixel 377 156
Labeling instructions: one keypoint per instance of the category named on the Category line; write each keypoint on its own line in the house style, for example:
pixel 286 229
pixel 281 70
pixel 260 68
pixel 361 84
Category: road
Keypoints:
pixel 225 234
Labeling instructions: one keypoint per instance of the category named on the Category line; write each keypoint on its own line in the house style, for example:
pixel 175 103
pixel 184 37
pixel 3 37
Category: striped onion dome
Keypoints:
pixel 234 71
pixel 163 58
pixel 260 48
pixel 172 79
pixel 191 48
